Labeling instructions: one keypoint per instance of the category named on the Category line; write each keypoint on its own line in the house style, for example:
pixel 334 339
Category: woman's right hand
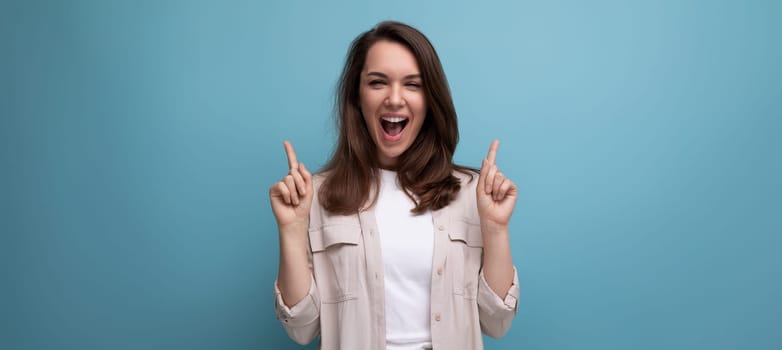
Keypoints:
pixel 291 198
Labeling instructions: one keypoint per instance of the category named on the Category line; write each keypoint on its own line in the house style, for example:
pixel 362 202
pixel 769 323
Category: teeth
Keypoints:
pixel 394 119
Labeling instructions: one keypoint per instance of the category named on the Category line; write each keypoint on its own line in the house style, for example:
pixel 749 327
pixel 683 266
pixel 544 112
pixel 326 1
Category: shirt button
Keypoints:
pixel 437 317
pixel 441 227
pixel 439 271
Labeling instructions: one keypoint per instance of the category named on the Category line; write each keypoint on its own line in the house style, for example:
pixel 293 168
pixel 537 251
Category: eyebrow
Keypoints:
pixel 382 75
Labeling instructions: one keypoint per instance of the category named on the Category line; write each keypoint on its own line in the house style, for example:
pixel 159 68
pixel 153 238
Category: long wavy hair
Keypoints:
pixel 425 170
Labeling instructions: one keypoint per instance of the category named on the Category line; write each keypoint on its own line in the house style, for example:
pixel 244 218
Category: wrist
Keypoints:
pixel 293 233
pixel 293 227
pixel 492 229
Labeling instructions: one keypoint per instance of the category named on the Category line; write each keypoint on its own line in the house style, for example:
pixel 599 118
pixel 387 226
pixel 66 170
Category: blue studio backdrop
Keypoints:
pixel 139 140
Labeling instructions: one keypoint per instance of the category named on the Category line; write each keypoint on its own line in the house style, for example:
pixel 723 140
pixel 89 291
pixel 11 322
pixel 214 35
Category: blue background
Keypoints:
pixel 139 140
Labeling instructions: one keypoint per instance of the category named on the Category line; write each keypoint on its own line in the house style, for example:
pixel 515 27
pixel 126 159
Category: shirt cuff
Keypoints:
pixel 493 302
pixel 303 313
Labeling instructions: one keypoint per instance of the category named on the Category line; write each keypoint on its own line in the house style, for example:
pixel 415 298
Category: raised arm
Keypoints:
pixel 291 199
pixel 496 196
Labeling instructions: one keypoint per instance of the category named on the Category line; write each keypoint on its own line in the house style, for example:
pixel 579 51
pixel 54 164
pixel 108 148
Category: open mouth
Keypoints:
pixel 393 126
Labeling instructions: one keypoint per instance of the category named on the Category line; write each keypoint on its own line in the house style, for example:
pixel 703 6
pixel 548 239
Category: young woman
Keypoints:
pixel 392 245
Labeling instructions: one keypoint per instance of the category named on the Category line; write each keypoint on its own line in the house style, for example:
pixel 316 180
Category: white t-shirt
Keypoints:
pixel 407 245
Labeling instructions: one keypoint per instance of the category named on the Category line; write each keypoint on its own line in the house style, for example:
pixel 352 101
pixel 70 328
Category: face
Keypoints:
pixel 392 99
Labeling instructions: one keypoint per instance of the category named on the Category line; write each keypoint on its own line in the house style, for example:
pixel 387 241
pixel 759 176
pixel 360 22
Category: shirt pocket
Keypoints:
pixel 466 258
pixel 337 254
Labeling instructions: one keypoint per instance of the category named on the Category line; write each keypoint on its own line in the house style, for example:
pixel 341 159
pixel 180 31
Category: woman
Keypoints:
pixel 393 245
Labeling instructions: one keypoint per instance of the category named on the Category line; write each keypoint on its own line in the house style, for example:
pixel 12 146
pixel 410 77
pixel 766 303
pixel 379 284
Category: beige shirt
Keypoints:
pixel 346 305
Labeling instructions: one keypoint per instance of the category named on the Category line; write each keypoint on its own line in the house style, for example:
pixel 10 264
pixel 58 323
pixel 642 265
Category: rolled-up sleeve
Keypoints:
pixel 495 312
pixel 301 321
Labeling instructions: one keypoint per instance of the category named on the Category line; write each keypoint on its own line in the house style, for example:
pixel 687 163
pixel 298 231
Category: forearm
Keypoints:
pixel 497 260
pixel 294 275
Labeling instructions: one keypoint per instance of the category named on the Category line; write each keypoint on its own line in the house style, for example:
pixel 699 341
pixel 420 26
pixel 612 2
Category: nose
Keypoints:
pixel 395 99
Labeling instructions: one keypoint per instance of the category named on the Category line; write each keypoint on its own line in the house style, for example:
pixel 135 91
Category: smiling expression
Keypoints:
pixel 392 99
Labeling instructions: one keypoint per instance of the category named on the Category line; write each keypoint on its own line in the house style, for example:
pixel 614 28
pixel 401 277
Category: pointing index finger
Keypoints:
pixel 492 157
pixel 293 163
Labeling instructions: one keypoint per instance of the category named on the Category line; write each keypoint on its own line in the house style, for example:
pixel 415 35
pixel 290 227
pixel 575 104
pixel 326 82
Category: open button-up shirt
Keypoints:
pixel 346 306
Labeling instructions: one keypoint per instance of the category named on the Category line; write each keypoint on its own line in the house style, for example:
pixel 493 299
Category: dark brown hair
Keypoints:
pixel 425 170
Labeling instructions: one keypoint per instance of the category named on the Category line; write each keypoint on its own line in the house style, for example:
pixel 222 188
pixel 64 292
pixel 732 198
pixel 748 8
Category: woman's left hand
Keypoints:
pixel 496 194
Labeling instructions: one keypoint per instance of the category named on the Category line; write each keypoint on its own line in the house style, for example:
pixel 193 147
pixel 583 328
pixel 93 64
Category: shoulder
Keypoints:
pixel 464 206
pixel 316 210
pixel 468 178
pixel 318 179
